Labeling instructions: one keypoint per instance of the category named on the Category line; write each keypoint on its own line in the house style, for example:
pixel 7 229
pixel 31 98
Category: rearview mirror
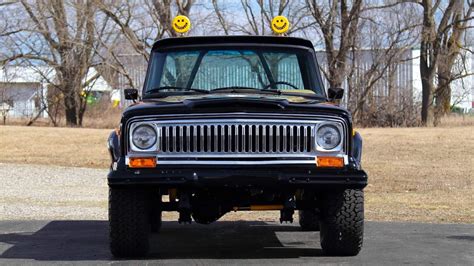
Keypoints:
pixel 335 93
pixel 131 94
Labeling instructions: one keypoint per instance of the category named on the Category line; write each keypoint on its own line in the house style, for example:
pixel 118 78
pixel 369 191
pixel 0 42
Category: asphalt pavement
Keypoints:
pixel 241 243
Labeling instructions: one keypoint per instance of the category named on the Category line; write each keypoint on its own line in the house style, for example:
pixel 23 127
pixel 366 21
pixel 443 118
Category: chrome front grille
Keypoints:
pixel 231 138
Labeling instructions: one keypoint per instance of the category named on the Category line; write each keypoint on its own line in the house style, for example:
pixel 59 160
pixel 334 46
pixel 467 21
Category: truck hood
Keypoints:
pixel 233 103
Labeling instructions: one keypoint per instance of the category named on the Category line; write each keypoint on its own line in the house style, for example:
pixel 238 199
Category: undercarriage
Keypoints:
pixel 205 206
pixel 136 212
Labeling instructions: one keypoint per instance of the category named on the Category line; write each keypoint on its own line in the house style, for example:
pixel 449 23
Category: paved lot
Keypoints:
pixel 49 242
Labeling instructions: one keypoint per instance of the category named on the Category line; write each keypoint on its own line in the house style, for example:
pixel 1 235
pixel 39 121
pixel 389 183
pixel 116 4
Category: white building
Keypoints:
pixel 23 90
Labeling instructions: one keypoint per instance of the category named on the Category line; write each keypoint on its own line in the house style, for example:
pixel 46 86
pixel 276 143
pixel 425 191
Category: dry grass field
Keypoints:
pixel 415 174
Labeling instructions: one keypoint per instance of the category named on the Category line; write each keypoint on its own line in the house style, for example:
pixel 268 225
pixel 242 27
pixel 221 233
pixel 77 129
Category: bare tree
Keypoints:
pixel 439 43
pixel 258 15
pixel 144 22
pixel 364 41
pixel 390 34
pixel 135 26
pixel 449 55
pixel 6 29
pixel 72 36
pixel 338 23
pixel 62 36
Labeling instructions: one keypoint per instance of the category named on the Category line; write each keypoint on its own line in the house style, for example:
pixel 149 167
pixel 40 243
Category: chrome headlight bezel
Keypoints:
pixel 134 127
pixel 340 146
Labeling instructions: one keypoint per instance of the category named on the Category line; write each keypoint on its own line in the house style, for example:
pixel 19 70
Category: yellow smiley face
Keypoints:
pixel 280 24
pixel 181 24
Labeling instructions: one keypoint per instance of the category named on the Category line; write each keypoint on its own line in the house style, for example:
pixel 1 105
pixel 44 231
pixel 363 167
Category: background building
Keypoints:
pixel 23 90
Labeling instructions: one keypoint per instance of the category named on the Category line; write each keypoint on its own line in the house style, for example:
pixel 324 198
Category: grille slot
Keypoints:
pixel 242 138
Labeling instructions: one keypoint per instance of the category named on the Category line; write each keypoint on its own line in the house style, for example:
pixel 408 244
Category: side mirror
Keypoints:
pixel 131 94
pixel 335 93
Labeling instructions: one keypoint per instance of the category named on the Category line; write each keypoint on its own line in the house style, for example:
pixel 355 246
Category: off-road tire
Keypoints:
pixel 342 222
pixel 129 224
pixel 309 220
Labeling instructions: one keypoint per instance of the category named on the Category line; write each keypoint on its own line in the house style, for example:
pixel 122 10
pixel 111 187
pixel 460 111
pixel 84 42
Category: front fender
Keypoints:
pixel 113 144
pixel 357 147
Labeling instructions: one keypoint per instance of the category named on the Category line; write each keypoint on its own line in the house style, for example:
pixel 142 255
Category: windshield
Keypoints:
pixel 211 69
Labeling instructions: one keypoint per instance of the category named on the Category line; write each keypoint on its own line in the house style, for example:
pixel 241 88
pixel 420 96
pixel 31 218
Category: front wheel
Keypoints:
pixel 129 223
pixel 342 223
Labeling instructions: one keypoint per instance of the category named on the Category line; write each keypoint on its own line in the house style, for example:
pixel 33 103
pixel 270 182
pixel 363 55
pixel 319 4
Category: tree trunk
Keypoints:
pixel 427 63
pixel 82 110
pixel 445 77
pixel 451 46
pixel 336 73
pixel 427 78
pixel 427 100
pixel 443 93
pixel 70 104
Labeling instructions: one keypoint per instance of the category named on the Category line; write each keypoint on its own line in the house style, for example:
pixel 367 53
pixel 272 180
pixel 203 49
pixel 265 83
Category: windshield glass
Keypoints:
pixel 285 70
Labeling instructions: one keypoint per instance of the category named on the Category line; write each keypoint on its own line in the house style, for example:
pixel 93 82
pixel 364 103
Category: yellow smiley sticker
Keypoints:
pixel 181 24
pixel 280 24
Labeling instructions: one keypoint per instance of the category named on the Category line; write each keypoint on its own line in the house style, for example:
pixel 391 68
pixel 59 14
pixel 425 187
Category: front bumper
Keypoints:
pixel 260 176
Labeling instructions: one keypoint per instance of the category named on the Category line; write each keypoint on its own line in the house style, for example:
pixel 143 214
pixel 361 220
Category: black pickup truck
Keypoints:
pixel 235 123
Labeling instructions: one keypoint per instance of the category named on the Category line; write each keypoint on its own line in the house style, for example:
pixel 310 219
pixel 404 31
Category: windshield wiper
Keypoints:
pixel 167 88
pixel 305 95
pixel 237 89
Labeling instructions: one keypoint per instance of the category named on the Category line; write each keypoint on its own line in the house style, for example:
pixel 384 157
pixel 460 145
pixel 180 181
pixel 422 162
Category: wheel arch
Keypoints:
pixel 113 144
pixel 357 147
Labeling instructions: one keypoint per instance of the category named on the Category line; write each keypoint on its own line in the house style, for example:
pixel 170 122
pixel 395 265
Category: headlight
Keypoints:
pixel 328 137
pixel 144 137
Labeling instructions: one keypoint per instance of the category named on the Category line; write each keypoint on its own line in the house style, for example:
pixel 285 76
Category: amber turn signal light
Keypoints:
pixel 334 162
pixel 147 162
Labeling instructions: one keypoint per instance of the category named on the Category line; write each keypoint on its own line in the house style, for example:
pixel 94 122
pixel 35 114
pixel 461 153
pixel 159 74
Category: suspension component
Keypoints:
pixel 184 208
pixel 286 214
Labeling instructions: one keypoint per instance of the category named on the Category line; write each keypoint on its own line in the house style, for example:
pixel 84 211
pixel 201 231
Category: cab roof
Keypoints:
pixel 233 39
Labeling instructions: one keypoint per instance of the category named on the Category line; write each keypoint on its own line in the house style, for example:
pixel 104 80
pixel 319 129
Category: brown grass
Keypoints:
pixel 54 146
pixel 420 174
pixel 457 120
pixel 102 115
pixel 415 174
